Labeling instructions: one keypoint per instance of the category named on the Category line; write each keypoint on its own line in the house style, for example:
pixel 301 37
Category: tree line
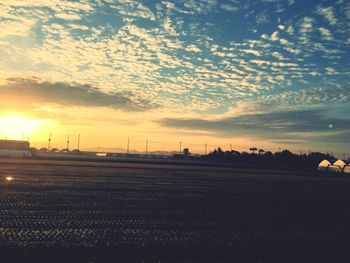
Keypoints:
pixel 262 158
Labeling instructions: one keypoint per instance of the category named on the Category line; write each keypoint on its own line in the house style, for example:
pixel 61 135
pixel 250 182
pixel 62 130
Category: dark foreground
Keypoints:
pixel 90 212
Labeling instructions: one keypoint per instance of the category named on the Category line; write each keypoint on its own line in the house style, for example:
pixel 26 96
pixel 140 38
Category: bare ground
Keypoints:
pixel 68 211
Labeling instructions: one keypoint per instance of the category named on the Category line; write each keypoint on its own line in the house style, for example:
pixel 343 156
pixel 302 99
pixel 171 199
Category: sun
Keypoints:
pixel 15 126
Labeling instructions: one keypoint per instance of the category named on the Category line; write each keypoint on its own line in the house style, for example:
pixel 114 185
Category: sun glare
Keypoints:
pixel 14 127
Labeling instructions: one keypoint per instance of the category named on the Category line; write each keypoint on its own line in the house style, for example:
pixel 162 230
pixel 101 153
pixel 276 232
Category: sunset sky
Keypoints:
pixel 270 73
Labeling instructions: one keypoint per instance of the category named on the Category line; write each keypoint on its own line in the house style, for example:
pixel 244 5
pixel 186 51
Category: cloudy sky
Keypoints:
pixel 269 73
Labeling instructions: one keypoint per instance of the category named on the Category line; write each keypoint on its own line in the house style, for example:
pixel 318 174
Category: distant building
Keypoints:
pixel 186 152
pixel 14 145
pixel 12 148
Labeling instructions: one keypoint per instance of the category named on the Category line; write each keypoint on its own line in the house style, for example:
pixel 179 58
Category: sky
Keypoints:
pixel 272 74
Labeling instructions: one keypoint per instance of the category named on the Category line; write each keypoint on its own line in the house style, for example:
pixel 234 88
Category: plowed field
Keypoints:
pixel 74 212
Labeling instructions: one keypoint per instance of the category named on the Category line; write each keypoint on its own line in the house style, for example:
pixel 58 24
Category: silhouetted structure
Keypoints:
pixel 12 148
pixel 54 150
pixel 14 145
pixel 186 151
pixel 66 150
pixel 76 151
pixel 284 159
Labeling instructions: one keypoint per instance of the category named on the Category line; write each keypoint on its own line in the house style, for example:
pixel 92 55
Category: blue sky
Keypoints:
pixel 201 66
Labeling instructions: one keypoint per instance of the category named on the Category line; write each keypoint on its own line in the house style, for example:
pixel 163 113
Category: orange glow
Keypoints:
pixel 9 178
pixel 15 126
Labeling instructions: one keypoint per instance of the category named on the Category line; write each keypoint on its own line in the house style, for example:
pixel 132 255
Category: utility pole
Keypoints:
pixel 127 147
pixel 231 147
pixel 48 148
pixel 205 148
pixel 78 142
pixel 67 143
pixel 147 147
pixel 180 147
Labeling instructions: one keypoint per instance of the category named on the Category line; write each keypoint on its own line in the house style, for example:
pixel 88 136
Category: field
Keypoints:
pixel 69 211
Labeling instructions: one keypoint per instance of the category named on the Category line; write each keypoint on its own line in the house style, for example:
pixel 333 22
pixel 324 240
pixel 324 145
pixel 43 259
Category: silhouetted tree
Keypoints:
pixel 220 152
pixel 283 159
pixel 253 149
pixel 261 151
pixel 268 154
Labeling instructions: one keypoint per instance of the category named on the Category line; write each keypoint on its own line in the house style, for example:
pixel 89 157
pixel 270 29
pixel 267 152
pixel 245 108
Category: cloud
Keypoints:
pixel 156 51
pixel 275 36
pixel 263 17
pixel 169 27
pixel 284 41
pixel 306 28
pixel 308 97
pixel 306 25
pixel 131 9
pixel 229 7
pixel 171 6
pixel 18 27
pixel 275 126
pixel 290 30
pixel 200 6
pixel 67 16
pixel 326 33
pixel 328 13
pixel 252 51
pixel 35 91
pixel 193 48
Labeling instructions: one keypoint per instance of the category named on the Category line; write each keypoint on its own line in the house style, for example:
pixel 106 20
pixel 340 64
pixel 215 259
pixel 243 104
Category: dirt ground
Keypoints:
pixel 67 211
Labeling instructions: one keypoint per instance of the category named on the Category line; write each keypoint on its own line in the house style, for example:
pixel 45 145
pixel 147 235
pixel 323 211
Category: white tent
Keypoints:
pixel 323 166
pixel 346 169
pixel 340 163
pixel 334 169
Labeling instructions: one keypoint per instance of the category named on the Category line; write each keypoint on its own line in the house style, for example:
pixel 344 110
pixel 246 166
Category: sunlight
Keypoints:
pixel 14 127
